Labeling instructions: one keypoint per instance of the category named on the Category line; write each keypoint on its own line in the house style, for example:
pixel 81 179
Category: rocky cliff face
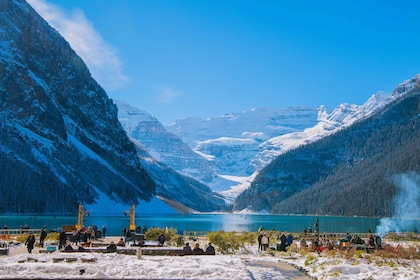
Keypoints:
pixel 162 145
pixel 170 162
pixel 61 141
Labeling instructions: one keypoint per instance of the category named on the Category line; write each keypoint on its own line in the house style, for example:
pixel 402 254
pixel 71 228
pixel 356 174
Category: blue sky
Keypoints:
pixel 204 58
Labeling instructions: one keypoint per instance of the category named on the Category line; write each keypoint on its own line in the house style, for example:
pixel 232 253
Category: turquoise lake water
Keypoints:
pixel 206 222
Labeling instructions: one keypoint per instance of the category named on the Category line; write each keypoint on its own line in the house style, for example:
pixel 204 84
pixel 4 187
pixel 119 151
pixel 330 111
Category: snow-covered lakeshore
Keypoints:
pixel 247 264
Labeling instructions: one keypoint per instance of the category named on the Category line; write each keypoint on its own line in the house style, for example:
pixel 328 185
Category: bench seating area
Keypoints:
pixel 147 251
pixel 169 251
pixel 349 245
pixel 122 250
pixel 4 251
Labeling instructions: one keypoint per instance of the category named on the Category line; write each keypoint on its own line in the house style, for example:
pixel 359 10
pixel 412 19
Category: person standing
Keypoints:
pixel 259 241
pixel 283 242
pixel 127 237
pixel 289 239
pixel 95 232
pixel 42 237
pixel 62 238
pixel 104 231
pixel 30 242
pixel 265 241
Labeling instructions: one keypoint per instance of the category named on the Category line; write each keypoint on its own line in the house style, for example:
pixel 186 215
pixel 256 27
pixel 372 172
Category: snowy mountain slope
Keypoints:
pixel 266 122
pixel 232 140
pixel 242 144
pixel 161 153
pixel 162 145
pixel 61 142
pixel 342 116
pixel 166 147
pixel 361 161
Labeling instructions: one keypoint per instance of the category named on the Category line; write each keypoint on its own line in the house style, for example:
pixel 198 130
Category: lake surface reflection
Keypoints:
pixel 204 222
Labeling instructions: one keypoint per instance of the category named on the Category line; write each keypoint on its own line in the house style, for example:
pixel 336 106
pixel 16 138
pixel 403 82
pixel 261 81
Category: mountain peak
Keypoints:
pixel 407 85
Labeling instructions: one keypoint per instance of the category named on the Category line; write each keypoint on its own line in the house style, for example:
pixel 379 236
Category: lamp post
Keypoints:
pixel 81 214
pixel 132 214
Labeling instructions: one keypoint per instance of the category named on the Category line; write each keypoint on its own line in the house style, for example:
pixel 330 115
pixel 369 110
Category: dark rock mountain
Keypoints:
pixel 162 145
pixel 60 139
pixel 61 142
pixel 349 172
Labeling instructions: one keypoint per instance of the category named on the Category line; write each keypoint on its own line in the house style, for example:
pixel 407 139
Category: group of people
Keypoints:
pixel 264 240
pixel 319 245
pixel 187 250
pixel 374 241
pixel 30 240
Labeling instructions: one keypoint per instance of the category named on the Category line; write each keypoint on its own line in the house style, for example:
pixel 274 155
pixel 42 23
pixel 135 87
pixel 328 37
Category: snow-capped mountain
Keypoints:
pixel 242 144
pixel 161 153
pixel 342 116
pixel 231 141
pixel 162 145
pixel 61 142
pixel 364 168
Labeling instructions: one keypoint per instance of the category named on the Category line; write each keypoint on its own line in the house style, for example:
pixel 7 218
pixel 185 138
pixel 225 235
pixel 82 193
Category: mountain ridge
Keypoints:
pixel 381 146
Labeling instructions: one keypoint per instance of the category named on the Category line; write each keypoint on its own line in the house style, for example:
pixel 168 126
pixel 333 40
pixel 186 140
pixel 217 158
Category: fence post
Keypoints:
pixel 139 253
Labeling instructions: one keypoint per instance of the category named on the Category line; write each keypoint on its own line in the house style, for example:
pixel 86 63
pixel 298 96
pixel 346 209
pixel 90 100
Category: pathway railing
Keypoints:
pixel 8 234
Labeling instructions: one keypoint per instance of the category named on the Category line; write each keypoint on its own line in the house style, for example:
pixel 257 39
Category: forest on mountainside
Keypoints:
pixel 348 173
pixel 52 182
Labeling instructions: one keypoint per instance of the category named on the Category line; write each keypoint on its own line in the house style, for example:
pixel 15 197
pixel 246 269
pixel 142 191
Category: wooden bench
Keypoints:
pixel 366 248
pixel 4 251
pixel 148 251
pixel 161 251
pixel 121 250
pixel 169 251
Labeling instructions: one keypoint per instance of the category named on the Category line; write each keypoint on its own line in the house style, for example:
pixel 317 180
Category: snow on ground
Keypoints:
pixel 250 265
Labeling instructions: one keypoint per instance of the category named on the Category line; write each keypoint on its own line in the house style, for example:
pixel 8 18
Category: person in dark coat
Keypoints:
pixel 289 239
pixel 112 248
pixel 259 241
pixel 283 242
pixel 30 242
pixel 62 238
pixel 68 247
pixel 197 250
pixel 127 237
pixel 161 239
pixel 210 250
pixel 187 249
pixel 42 237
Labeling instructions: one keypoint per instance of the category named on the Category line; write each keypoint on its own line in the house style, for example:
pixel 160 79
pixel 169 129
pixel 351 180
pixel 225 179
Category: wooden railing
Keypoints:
pixel 8 234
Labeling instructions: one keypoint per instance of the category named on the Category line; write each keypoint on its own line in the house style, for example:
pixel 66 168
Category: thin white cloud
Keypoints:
pixel 167 94
pixel 101 59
